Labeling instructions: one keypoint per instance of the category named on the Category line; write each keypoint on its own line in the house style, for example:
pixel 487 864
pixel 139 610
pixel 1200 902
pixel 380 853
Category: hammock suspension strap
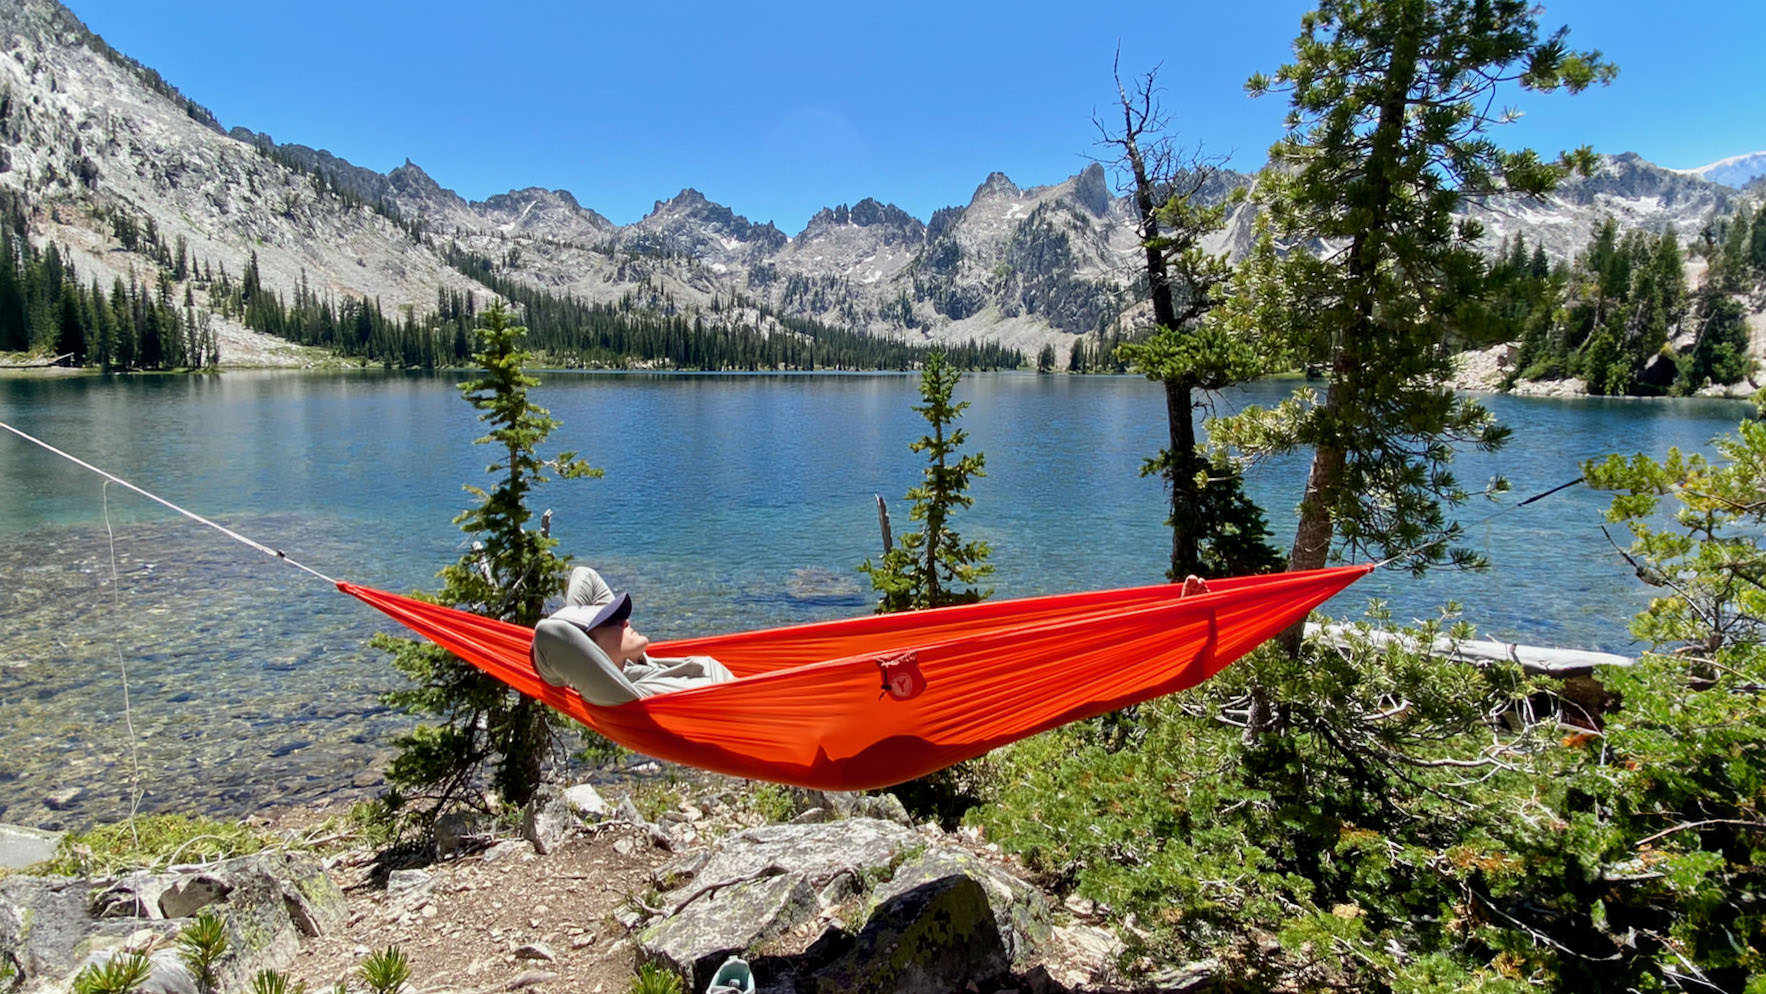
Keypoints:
pixel 1541 495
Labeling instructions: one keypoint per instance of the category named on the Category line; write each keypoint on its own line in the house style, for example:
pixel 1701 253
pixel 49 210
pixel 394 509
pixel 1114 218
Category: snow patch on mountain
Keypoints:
pixel 1736 171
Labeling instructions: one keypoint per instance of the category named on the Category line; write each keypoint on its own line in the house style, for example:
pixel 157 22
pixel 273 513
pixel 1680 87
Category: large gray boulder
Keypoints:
pixel 838 805
pixel 694 940
pixel 759 884
pixel 43 920
pixel 51 927
pixel 930 939
pixel 548 820
pixel 946 917
pixel 1020 911
pixel 859 905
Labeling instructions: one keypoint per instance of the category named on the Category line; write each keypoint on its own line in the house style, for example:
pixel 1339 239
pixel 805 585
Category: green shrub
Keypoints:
pixel 652 979
pixel 386 971
pixel 1330 828
pixel 771 801
pixel 120 974
pixel 1412 823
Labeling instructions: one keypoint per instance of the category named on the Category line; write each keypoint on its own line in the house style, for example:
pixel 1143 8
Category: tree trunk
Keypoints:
pixel 1312 536
pixel 1180 472
pixel 1181 476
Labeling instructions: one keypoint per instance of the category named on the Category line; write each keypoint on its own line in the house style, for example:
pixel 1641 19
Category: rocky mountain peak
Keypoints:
pixel 1630 176
pixel 688 199
pixel 543 213
pixel 1092 190
pixel 414 188
pixel 410 178
pixel 941 221
pixel 691 224
pixel 531 196
pixel 868 212
pixel 997 185
pixel 889 222
pixel 1627 188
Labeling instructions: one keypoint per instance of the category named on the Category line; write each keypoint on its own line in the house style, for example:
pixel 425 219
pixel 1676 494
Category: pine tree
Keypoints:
pixel 14 321
pixel 1730 271
pixel 1214 527
pixel 1391 102
pixel 931 567
pixel 71 333
pixel 1757 243
pixel 508 575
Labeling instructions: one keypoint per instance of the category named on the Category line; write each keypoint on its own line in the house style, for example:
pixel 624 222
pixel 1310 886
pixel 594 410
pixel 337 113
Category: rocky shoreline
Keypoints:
pixel 1484 370
pixel 822 892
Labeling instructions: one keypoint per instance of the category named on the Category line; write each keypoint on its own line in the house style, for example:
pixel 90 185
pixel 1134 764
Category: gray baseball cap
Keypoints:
pixel 589 617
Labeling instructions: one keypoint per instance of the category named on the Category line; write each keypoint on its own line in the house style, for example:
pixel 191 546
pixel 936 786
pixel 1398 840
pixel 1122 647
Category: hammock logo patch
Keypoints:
pixel 902 678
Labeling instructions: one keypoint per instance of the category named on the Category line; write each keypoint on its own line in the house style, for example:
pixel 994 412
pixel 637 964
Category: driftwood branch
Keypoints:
pixel 1646 840
pixel 883 523
pixel 769 870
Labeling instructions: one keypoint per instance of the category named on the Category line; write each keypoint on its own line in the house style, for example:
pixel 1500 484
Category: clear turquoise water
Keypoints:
pixel 730 501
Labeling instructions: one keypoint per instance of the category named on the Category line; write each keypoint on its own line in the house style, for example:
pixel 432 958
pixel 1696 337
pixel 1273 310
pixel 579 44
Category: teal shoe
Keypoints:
pixel 733 977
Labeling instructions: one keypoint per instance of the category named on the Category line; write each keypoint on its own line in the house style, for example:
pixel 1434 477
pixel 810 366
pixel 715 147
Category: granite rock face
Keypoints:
pixel 50 927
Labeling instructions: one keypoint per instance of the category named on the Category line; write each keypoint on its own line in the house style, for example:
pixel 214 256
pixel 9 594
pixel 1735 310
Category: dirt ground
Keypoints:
pixel 503 919
pixel 509 919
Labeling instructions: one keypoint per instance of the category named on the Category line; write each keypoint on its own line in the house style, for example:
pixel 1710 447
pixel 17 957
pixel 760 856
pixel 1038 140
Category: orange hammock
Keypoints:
pixel 873 701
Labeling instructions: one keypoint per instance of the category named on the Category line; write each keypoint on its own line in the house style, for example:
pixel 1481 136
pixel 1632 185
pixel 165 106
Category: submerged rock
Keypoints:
pixel 20 846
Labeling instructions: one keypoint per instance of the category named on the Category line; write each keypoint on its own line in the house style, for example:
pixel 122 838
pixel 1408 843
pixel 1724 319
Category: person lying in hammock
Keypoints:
pixel 590 646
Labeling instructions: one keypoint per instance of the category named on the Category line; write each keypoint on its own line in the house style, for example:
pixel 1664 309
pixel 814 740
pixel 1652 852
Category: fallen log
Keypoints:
pixel 42 364
pixel 1533 659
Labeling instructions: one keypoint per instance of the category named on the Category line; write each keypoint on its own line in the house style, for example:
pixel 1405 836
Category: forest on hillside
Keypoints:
pixel 164 319
pixel 1623 317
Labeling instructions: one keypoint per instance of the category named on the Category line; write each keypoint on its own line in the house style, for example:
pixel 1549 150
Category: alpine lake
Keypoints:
pixel 730 501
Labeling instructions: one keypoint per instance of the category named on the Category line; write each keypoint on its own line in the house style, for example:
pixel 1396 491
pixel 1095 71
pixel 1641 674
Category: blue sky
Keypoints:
pixel 777 110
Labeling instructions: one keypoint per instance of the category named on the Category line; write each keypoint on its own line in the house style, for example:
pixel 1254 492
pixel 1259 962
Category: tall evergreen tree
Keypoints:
pixel 508 575
pixel 1757 243
pixel 1391 105
pixel 933 566
pixel 15 330
pixel 71 335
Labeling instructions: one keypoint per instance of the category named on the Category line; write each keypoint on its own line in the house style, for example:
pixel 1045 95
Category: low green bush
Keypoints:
pixel 652 979
pixel 153 841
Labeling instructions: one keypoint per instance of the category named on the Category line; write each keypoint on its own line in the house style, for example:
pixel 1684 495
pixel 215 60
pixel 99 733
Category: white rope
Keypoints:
pixel 230 533
pixel 116 600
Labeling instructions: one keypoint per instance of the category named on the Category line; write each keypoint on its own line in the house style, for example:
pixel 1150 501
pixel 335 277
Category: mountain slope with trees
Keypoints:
pixel 96 145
